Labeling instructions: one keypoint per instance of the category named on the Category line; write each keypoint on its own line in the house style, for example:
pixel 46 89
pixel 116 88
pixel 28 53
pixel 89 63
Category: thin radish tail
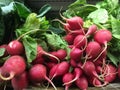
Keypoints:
pixel 97 76
pixel 71 81
pixel 102 85
pixel 66 87
pixel 11 75
pixel 101 52
pixel 52 56
pixel 50 82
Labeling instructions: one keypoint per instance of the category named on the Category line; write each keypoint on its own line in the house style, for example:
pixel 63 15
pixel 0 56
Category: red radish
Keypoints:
pixel 15 47
pixel 38 60
pixel 93 49
pixel 60 69
pixel 91 30
pixel 38 73
pixel 80 41
pixel 89 69
pixel 69 39
pixel 13 66
pixel 77 73
pixel 76 54
pixel 20 82
pixel 61 54
pixel 67 78
pixel 41 52
pixel 75 22
pixel 102 37
pixel 73 63
pixel 5 47
pixel 50 65
pixel 94 81
pixel 82 83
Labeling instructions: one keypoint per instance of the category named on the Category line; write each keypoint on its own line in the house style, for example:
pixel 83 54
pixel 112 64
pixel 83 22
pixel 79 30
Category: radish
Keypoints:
pixel 41 52
pixel 13 66
pixel 37 73
pixel 50 65
pixel 75 22
pixel 38 60
pixel 76 54
pixel 67 78
pixel 20 82
pixel 61 54
pixel 73 63
pixel 80 41
pixel 60 69
pixel 82 83
pixel 102 37
pixel 91 30
pixel 93 49
pixel 15 47
pixel 77 73
pixel 69 38
pixel 89 69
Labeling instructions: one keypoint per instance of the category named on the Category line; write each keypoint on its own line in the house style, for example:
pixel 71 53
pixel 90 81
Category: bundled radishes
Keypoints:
pixel 86 66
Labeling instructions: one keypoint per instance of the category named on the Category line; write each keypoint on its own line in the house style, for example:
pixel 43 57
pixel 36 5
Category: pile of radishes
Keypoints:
pixel 87 64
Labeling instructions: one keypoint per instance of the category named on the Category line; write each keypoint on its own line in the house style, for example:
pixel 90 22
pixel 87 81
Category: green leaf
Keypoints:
pixel 2 51
pixel 21 9
pixel 113 58
pixel 77 3
pixel 99 16
pixel 115 25
pixel 43 10
pixel 30 48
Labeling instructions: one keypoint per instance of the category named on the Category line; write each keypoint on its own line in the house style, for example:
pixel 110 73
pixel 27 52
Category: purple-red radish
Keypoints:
pixel 60 69
pixel 50 65
pixel 38 74
pixel 69 38
pixel 41 52
pixel 102 37
pixel 15 47
pixel 61 54
pixel 13 66
pixel 20 82
pixel 5 47
pixel 76 54
pixel 75 22
pixel 93 49
pixel 91 30
pixel 67 78
pixel 38 60
pixel 89 69
pixel 82 83
pixel 73 63
pixel 80 41
pixel 77 73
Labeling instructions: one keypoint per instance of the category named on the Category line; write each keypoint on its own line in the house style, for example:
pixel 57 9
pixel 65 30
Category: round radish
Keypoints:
pixel 76 54
pixel 67 78
pixel 15 47
pixel 82 83
pixel 102 37
pixel 69 38
pixel 13 66
pixel 20 82
pixel 93 49
pixel 61 54
pixel 37 73
pixel 60 69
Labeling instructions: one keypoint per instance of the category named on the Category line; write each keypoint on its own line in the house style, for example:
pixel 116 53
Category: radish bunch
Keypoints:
pixel 86 66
